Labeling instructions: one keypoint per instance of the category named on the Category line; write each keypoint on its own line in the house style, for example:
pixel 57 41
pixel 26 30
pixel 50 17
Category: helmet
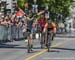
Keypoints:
pixel 49 21
pixel 41 16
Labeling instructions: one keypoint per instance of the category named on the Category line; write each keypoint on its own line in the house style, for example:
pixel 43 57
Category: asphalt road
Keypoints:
pixel 61 49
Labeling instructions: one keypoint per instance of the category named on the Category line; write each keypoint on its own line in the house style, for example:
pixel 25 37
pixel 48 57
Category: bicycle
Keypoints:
pixel 49 39
pixel 42 40
pixel 31 37
pixel 29 49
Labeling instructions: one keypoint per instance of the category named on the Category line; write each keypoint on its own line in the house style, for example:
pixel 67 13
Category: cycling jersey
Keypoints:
pixel 49 27
pixel 41 24
pixel 29 25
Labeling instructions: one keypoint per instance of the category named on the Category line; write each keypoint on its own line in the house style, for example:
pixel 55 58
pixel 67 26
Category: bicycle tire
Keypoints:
pixel 42 41
pixel 49 44
pixel 28 47
pixel 49 41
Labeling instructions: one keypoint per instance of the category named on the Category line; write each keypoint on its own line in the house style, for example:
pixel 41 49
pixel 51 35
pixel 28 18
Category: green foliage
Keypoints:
pixel 55 6
pixel 73 4
pixel 58 6
pixel 21 3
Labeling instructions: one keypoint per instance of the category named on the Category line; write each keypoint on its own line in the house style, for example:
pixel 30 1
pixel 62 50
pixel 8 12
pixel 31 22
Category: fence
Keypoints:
pixel 10 33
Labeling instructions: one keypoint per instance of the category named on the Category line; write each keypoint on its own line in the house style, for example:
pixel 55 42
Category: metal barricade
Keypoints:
pixel 10 33
pixel 3 33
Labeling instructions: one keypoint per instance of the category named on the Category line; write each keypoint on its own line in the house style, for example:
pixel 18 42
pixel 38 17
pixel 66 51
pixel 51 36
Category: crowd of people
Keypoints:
pixel 20 22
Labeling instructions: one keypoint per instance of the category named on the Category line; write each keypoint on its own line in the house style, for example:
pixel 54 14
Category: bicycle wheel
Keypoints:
pixel 49 44
pixel 42 41
pixel 28 47
pixel 49 41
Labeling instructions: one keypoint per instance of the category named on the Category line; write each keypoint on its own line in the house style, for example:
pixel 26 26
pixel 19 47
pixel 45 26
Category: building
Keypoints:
pixel 11 5
pixel 2 7
pixel 7 5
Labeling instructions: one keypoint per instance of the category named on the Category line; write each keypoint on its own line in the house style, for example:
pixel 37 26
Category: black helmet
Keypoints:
pixel 49 21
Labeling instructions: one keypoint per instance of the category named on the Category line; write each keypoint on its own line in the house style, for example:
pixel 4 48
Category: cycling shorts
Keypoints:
pixel 49 30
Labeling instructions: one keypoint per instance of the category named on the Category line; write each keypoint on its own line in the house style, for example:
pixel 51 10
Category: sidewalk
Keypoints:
pixel 66 35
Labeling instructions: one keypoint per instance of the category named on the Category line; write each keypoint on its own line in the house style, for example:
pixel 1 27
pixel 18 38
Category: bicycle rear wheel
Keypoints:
pixel 49 38
pixel 29 47
pixel 49 44
pixel 42 41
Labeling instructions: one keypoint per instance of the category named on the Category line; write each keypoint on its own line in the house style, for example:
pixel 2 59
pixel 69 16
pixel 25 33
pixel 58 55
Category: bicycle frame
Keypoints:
pixel 49 39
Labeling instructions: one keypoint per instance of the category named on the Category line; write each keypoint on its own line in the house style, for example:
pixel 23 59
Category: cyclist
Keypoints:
pixel 41 23
pixel 30 30
pixel 49 26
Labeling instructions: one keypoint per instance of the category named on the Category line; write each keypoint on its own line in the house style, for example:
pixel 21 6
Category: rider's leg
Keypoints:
pixel 54 34
pixel 31 40
pixel 24 35
pixel 46 39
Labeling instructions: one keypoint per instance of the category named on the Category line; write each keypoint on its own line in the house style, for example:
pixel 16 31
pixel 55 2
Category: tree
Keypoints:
pixel 21 3
pixel 55 6
pixel 58 6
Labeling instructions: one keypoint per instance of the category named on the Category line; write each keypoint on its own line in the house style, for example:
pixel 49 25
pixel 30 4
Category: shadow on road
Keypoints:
pixel 54 51
pixel 7 45
pixel 63 48
pixel 15 46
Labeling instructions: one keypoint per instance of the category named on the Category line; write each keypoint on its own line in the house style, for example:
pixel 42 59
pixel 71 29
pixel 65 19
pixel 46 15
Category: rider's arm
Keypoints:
pixel 21 10
pixel 54 30
pixel 54 27
pixel 45 27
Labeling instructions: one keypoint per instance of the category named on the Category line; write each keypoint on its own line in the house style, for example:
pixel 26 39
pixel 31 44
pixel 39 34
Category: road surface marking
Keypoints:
pixel 43 51
pixel 59 58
